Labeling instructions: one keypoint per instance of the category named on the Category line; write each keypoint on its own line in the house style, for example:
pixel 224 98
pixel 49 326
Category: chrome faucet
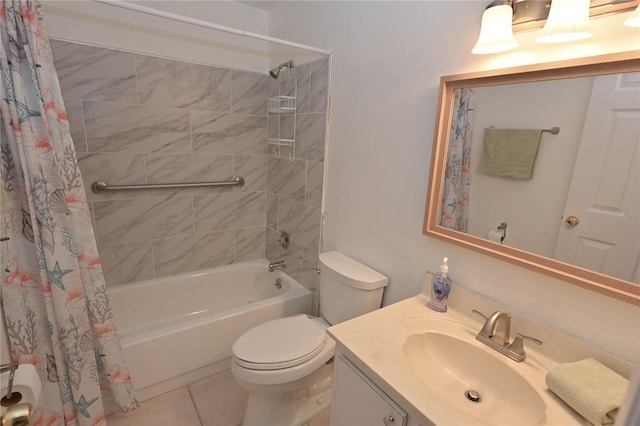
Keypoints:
pixel 496 328
pixel 280 264
pixel 495 334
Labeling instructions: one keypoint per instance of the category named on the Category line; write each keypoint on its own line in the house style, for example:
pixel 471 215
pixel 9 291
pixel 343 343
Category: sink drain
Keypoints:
pixel 472 395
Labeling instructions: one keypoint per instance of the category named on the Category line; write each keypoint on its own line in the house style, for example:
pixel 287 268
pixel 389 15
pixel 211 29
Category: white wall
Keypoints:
pixel 388 58
pixel 103 25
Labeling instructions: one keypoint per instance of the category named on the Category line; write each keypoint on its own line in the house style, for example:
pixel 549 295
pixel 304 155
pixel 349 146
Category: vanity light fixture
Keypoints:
pixel 563 20
pixel 634 19
pixel 568 21
pixel 496 33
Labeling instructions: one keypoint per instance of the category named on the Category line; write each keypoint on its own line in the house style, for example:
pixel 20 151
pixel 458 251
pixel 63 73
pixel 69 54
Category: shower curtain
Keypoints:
pixel 455 198
pixel 53 292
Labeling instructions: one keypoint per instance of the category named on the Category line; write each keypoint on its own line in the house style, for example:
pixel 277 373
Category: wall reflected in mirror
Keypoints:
pixel 581 203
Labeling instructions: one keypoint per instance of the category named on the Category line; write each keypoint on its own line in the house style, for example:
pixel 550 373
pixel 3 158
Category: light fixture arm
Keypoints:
pixel 500 3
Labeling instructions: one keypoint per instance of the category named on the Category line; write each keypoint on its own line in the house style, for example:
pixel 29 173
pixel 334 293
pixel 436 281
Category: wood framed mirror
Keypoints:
pixel 595 157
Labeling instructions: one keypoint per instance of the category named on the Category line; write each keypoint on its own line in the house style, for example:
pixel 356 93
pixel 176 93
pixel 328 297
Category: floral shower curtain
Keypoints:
pixel 455 199
pixel 53 291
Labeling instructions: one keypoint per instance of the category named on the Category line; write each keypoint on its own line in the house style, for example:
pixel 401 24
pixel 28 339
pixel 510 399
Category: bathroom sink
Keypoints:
pixel 462 371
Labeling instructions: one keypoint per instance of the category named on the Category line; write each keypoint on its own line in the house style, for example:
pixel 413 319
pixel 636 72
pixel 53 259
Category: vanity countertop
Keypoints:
pixel 375 343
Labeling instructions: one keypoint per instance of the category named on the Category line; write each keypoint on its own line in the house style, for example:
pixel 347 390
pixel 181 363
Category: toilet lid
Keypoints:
pixel 280 343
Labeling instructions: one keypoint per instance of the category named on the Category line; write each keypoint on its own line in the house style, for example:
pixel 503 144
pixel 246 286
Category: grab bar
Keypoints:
pixel 99 186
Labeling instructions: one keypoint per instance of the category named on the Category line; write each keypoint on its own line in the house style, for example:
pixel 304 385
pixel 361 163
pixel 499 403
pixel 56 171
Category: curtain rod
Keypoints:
pixel 206 24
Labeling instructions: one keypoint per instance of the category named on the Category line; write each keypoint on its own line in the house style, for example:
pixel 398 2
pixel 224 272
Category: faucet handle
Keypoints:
pixel 525 337
pixel 517 346
pixel 475 311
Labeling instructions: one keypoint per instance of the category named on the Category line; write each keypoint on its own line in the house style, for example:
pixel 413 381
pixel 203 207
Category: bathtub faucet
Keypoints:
pixel 280 264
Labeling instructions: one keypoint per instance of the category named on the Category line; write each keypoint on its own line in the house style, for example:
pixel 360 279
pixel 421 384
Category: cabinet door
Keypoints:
pixel 358 402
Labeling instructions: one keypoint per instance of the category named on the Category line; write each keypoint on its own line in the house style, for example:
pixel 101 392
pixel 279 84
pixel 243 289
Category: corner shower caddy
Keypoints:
pixel 284 107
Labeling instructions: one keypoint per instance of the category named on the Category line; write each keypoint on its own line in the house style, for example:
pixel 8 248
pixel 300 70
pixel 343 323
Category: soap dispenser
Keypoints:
pixel 440 288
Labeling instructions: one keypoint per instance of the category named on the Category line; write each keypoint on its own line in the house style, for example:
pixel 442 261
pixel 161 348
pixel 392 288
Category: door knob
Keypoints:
pixel 572 221
pixel 388 421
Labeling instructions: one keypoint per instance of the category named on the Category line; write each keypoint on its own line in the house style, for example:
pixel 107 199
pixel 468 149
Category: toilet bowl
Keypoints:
pixel 284 376
pixel 286 364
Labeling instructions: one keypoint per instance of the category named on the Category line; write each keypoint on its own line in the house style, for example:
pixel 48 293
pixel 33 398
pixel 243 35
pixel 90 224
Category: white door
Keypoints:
pixel 604 194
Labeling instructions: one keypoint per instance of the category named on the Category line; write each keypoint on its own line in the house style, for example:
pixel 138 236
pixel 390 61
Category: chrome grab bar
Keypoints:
pixel 100 187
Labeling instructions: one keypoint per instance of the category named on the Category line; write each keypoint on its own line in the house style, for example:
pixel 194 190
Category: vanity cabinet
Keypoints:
pixel 357 401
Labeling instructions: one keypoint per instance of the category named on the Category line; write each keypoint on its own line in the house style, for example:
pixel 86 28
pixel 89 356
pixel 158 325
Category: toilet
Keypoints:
pixel 286 364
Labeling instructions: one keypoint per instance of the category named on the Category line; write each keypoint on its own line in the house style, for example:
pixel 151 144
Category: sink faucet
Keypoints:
pixel 280 264
pixel 495 334
pixel 497 327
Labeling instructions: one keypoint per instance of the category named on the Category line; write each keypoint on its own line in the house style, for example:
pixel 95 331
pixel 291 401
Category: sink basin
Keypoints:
pixel 451 366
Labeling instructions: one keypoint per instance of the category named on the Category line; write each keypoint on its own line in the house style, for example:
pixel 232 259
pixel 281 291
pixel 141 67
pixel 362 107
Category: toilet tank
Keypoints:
pixel 347 287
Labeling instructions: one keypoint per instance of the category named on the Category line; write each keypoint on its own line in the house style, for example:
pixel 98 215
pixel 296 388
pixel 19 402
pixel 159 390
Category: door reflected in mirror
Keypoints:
pixel 506 182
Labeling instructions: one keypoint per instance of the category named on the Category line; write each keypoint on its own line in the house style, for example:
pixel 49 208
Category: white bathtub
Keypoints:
pixel 178 329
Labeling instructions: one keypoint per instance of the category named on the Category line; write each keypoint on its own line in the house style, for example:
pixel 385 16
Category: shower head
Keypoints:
pixel 276 71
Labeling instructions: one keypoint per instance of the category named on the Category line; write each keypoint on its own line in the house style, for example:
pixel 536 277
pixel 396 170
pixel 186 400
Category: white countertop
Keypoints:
pixel 374 342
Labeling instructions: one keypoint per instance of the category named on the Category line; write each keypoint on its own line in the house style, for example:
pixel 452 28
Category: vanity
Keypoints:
pixel 408 365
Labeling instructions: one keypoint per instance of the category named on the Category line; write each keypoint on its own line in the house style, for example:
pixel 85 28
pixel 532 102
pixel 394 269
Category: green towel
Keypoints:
pixel 510 152
pixel 590 388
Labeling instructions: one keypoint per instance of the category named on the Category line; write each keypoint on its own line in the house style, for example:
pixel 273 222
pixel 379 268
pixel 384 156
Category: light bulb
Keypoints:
pixel 568 21
pixel 496 34
pixel 634 19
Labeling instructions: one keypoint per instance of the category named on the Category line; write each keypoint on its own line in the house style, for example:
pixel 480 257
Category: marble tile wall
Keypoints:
pixel 294 188
pixel 142 119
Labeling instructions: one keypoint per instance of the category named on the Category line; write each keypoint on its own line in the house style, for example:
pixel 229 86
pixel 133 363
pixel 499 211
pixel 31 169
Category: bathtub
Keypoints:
pixel 176 330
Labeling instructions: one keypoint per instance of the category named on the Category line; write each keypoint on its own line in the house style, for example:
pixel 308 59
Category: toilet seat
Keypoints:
pixel 281 343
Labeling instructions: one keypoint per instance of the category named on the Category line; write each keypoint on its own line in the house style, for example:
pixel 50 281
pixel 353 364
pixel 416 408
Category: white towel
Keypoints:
pixel 590 388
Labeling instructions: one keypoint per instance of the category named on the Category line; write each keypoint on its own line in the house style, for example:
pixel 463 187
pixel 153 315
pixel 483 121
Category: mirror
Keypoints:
pixel 571 209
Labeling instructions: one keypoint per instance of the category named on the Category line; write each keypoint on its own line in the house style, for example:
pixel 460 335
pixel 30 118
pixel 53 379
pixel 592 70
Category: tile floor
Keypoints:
pixel 214 401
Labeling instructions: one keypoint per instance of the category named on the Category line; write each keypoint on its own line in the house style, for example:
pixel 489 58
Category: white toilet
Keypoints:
pixel 285 364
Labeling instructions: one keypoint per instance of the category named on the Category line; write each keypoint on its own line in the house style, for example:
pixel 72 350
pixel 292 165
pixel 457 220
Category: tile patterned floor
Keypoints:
pixel 214 401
